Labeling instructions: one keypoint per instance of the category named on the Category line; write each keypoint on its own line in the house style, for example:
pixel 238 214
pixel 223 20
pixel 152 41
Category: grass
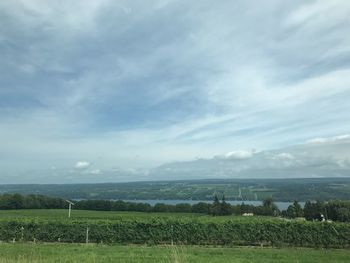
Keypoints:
pixel 85 215
pixel 49 253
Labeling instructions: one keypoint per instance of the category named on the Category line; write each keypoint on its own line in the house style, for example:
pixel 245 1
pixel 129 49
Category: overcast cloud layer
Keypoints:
pixel 111 89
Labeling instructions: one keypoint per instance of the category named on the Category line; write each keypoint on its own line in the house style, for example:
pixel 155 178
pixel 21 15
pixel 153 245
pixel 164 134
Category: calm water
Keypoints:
pixel 280 205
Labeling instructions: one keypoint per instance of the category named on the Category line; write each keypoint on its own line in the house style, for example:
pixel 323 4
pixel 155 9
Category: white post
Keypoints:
pixel 22 233
pixel 70 207
pixel 87 235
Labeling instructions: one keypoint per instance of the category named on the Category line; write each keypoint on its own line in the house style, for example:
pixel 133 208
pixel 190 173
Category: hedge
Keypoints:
pixel 275 233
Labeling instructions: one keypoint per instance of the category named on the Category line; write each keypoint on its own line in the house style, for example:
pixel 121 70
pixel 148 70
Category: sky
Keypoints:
pixel 114 89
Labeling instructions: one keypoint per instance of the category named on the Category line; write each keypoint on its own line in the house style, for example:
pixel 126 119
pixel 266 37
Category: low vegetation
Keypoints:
pixel 184 229
pixel 52 253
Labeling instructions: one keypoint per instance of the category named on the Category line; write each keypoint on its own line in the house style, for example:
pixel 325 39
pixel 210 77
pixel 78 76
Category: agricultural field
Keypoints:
pixel 83 215
pixel 113 216
pixel 52 253
pixel 167 228
pixel 91 216
pixel 286 190
pixel 48 235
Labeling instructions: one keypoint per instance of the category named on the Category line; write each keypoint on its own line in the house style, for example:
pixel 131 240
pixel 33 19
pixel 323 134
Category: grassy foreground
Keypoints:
pixel 49 253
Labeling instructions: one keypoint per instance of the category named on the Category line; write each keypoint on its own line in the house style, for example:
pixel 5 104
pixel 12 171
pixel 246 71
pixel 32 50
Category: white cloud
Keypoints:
pixel 302 161
pixel 82 165
pixel 310 12
pixel 344 163
pixel 96 172
pixel 328 139
pixel 283 156
pixel 239 155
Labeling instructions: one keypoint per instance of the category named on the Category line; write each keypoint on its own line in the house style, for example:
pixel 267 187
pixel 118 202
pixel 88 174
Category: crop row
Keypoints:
pixel 282 233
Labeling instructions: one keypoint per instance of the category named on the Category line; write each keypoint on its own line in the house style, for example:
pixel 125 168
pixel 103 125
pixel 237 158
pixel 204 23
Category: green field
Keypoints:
pixel 49 253
pixel 85 215
pixel 127 228
pixel 124 227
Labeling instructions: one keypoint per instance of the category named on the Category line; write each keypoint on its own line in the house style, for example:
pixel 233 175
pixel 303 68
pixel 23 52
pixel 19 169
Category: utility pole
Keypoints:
pixel 69 207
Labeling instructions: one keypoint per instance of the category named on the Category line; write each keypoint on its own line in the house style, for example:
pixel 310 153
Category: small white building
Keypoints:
pixel 248 214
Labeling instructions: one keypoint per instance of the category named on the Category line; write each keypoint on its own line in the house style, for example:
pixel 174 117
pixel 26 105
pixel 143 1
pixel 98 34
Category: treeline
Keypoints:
pixel 17 201
pixel 320 211
pixel 217 208
pixel 332 210
pixel 268 208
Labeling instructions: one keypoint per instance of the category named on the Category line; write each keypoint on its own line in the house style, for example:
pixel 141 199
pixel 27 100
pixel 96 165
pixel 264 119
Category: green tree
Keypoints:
pixel 201 207
pixel 294 210
pixel 215 208
pixel 269 208
pixel 226 208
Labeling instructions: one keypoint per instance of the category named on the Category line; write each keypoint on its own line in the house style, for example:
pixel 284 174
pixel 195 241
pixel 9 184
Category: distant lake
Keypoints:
pixel 280 205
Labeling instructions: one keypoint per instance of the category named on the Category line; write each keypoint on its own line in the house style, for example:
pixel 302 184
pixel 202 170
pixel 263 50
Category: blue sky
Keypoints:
pixel 135 84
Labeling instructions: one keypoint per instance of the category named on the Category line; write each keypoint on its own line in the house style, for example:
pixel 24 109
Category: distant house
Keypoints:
pixel 248 214
pixel 322 218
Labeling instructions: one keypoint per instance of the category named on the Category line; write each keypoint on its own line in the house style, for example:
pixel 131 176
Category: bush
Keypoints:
pixel 189 231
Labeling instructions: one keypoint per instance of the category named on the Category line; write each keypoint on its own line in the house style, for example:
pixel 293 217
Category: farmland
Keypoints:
pixel 234 189
pixel 48 235
pixel 167 228
pixel 61 215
